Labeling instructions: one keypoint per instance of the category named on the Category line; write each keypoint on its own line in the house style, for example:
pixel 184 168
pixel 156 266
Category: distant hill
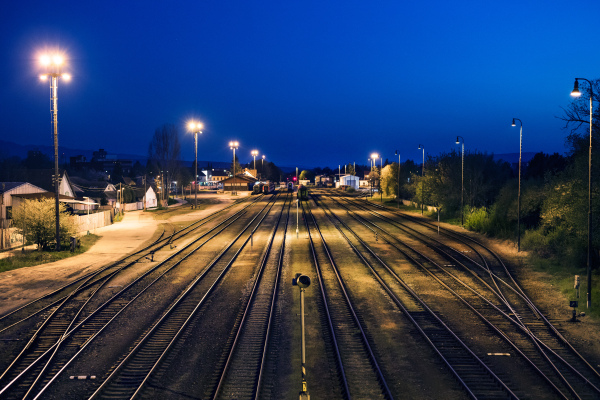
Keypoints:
pixel 10 149
pixel 13 149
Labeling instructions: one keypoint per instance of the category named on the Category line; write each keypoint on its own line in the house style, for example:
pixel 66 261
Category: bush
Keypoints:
pixel 36 219
pixel 478 220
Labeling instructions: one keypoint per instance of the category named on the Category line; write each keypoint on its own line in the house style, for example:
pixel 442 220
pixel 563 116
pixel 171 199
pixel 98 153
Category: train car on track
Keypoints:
pixel 268 188
pixel 290 186
pixel 257 189
pixel 302 193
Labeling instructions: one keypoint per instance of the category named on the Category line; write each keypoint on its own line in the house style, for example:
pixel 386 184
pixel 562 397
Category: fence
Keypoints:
pixel 10 236
pixel 90 222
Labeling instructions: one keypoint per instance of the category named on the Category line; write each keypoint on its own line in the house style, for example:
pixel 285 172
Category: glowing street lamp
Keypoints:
pixel 53 69
pixel 577 93
pixel 374 157
pixel 196 128
pixel 421 147
pixel 462 179
pixel 234 145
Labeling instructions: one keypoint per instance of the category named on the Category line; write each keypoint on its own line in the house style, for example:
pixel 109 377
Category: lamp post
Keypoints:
pixel 462 179
pixel 421 147
pixel 398 154
pixel 577 93
pixel 196 128
pixel 53 65
pixel 519 190
pixel 374 157
pixel 254 154
pixel 233 145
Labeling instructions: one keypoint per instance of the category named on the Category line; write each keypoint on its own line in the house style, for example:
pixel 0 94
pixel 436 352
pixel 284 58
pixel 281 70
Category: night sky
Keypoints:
pixel 307 83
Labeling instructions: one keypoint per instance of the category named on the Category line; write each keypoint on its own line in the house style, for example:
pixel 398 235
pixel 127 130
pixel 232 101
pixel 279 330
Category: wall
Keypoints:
pixel 90 222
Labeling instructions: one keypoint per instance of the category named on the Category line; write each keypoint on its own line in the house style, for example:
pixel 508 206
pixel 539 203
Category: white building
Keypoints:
pixel 350 180
pixel 8 189
pixel 150 197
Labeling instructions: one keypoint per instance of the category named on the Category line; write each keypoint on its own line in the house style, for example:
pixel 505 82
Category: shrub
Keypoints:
pixel 478 220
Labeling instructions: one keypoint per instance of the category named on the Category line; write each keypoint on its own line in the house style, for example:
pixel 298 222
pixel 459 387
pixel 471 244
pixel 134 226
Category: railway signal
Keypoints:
pixel 302 281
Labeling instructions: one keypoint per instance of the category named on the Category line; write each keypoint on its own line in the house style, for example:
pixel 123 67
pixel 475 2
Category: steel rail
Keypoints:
pixel 457 295
pixel 223 225
pixel 536 341
pixel 255 384
pixel 114 264
pixel 154 333
pixel 371 356
pixel 517 288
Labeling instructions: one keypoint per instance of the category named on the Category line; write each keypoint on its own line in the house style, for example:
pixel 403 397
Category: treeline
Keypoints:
pixel 554 191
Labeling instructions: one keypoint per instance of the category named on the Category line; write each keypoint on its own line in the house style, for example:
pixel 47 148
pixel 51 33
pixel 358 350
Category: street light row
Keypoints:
pixel 53 64
pixel 460 140
pixel 196 128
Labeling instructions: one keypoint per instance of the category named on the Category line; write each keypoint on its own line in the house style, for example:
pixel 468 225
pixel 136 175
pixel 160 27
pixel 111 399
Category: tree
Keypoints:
pixel 37 160
pixel 137 170
pixel 389 179
pixel 164 151
pixel 271 172
pixel 350 169
pixel 128 195
pixel 117 174
pixel 307 175
pixel 36 220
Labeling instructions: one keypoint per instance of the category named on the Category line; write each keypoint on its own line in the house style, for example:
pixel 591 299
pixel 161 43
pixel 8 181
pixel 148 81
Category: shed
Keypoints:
pixel 239 182
pixel 350 180
pixel 9 189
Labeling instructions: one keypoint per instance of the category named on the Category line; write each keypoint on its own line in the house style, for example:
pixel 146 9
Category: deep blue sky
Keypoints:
pixel 314 83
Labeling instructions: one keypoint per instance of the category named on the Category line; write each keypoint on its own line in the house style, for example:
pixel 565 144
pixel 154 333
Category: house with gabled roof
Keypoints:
pixel 8 189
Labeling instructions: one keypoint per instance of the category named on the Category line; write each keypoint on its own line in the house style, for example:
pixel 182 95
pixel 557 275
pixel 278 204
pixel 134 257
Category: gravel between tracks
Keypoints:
pixel 584 335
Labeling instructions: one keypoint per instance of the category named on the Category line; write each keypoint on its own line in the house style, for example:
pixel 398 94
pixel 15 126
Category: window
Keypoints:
pixel 8 212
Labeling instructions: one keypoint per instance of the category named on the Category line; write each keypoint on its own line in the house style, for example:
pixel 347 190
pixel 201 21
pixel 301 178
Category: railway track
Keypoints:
pixel 40 359
pixel 565 371
pixel 553 352
pixel 241 377
pixel 359 371
pixel 470 370
pixel 46 302
pixel 129 378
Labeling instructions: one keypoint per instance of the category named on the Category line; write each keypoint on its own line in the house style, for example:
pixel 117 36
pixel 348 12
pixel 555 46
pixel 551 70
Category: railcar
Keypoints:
pixel 302 193
pixel 268 188
pixel 290 186
pixel 257 189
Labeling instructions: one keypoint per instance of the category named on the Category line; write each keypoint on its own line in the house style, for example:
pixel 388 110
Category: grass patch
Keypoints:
pixel 563 276
pixel 34 257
